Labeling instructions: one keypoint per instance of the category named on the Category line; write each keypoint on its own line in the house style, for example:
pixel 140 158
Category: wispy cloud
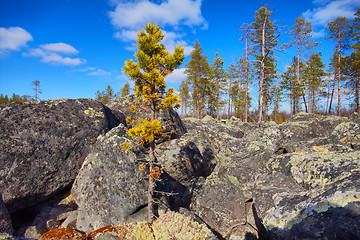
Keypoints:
pixel 129 17
pixel 99 72
pixel 59 48
pixel 13 39
pixel 329 10
pixel 176 76
pixel 92 71
pixel 53 53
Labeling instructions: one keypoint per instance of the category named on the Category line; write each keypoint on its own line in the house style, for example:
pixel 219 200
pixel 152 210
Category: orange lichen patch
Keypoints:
pixel 61 233
pixel 320 149
pixel 119 231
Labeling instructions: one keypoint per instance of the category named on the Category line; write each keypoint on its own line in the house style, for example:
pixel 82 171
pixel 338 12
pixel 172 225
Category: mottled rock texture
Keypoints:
pixel 296 180
pixel 296 173
pixel 43 145
pixel 110 187
pixel 5 221
pixel 245 180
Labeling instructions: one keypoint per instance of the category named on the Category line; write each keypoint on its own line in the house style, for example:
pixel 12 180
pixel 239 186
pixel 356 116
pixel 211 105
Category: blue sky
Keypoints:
pixel 76 47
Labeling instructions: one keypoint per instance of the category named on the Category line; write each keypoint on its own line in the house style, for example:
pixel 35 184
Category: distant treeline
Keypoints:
pixel 15 98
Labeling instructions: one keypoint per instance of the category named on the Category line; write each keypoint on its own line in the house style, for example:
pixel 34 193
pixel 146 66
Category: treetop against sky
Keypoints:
pixel 76 47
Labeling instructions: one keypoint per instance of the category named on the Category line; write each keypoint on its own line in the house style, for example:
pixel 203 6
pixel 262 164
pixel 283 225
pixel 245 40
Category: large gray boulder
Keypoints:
pixel 43 145
pixel 5 220
pixel 296 175
pixel 109 188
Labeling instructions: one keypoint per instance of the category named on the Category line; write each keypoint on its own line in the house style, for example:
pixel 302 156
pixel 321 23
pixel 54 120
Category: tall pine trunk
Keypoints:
pixel 332 93
pixel 357 91
pixel 217 106
pixel 339 77
pixel 229 108
pixel 262 73
pixel 313 101
pixel 298 74
pixel 246 79
pixel 151 187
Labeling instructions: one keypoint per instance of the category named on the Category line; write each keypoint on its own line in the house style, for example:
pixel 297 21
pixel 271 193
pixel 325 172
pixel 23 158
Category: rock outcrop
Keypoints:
pixel 254 180
pixel 296 173
pixel 296 180
pixel 43 145
pixel 110 187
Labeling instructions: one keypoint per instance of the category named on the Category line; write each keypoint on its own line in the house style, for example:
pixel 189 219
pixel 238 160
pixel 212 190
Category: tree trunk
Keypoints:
pixel 261 80
pixel 229 108
pixel 201 107
pixel 339 78
pixel 313 101
pixel 150 210
pixel 357 91
pixel 217 106
pixel 182 107
pixel 298 74
pixel 246 79
pixel 185 107
pixel 332 94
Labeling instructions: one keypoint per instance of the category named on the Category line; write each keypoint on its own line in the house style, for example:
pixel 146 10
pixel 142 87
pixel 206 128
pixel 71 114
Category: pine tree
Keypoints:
pixel 105 96
pixel 125 91
pixel 246 29
pixel 239 79
pixel 276 93
pixel 197 70
pixel 37 90
pixel 265 40
pixel 339 31
pixel 289 82
pixel 154 63
pixel 218 77
pixel 355 63
pixel 2 99
pixel 301 35
pixel 184 96
pixel 313 74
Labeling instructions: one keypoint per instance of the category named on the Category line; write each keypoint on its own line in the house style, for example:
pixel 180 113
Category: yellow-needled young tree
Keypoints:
pixel 153 64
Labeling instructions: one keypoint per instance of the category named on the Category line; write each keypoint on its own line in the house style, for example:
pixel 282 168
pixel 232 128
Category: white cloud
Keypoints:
pixel 136 14
pixel 86 69
pixel 319 34
pixel 99 72
pixel 13 38
pixel 51 53
pixel 126 35
pixel 329 10
pixel 130 16
pixel 59 48
pixel 92 71
pixel 172 39
pixel 176 76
